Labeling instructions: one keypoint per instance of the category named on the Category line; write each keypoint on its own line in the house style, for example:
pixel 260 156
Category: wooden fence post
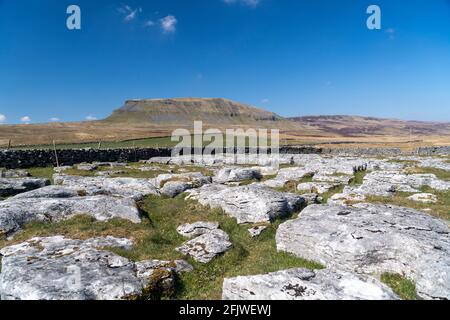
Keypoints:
pixel 56 154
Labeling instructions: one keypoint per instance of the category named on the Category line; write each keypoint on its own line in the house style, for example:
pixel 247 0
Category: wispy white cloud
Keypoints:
pixel 2 118
pixel 91 118
pixel 129 13
pixel 169 24
pixel 249 3
pixel 25 119
pixel 54 119
pixel 265 101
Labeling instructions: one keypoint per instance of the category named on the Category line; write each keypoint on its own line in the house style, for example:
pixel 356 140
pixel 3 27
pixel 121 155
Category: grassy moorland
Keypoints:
pixel 156 236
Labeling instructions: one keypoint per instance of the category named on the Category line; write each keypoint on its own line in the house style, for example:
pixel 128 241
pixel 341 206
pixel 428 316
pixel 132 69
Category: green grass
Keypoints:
pixel 155 142
pixel 327 195
pixel 403 287
pixel 405 162
pixel 46 173
pixel 441 209
pixel 156 238
pixel 139 143
pixel 440 174
pixel 358 178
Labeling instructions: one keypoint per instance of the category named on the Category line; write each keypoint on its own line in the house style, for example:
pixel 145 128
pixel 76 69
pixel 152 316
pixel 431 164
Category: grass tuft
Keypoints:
pixel 402 286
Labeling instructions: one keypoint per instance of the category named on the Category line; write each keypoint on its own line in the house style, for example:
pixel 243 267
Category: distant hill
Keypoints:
pixel 357 126
pixel 185 111
pixel 138 119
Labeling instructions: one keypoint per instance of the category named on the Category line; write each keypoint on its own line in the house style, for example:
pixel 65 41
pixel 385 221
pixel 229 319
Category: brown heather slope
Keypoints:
pixel 357 126
pixel 139 119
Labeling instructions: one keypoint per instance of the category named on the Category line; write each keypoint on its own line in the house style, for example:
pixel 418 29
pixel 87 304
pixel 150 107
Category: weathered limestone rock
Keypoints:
pixel 368 238
pixel 57 268
pixel 126 187
pixel 160 160
pixel 317 187
pixel 345 198
pixel 14 213
pixel 304 284
pixel 256 231
pixel 108 173
pixel 424 197
pixel 337 179
pixel 13 173
pixel 248 204
pixel 386 183
pixel 86 167
pixel 405 182
pixel 435 163
pixel 293 174
pixel 52 191
pixel 266 171
pixel 191 230
pixel 330 165
pixel 311 198
pixel 13 186
pixel 206 247
pixel 274 183
pixel 61 169
pixel 287 174
pixel 236 175
pixel 174 184
pixel 145 269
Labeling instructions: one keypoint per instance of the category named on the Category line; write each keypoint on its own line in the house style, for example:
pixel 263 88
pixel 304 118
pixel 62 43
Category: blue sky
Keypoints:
pixel 292 57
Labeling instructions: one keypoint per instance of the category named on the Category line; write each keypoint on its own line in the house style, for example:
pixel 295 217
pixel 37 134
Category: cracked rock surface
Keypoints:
pixel 15 213
pixel 13 186
pixel 236 175
pixel 196 229
pixel 374 239
pixel 126 187
pixel 174 184
pixel 207 246
pixel 248 204
pixel 304 284
pixel 57 268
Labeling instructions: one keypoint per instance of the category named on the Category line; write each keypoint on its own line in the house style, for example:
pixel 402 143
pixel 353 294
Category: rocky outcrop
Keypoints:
pixel 248 204
pixel 52 191
pixel 207 246
pixel 386 184
pixel 374 239
pixel 304 284
pixel 191 230
pixel 405 182
pixel 14 173
pixel 12 186
pixel 423 197
pixel 57 268
pixel 125 187
pixel 15 213
pixel 236 175
pixel 86 167
pixel 337 179
pixel 256 231
pixel 316 187
pixel 173 184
